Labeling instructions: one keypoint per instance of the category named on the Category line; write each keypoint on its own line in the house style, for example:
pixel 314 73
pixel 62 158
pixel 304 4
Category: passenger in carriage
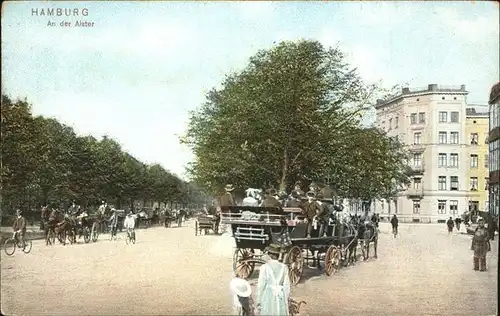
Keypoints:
pixel 294 200
pixel 310 209
pixel 297 192
pixel 252 197
pixel 270 200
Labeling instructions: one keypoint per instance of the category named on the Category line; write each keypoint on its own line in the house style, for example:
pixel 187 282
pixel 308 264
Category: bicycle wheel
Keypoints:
pixel 86 235
pixel 27 246
pixel 10 246
pixel 133 238
pixel 95 232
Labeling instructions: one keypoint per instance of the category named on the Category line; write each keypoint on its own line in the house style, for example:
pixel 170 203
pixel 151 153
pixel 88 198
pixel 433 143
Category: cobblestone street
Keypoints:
pixel 425 271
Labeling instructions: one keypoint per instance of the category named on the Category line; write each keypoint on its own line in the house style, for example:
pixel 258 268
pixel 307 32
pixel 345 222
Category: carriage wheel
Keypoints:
pixel 9 246
pixel 86 235
pixel 295 262
pixel 196 228
pixel 332 260
pixel 242 267
pixel 27 246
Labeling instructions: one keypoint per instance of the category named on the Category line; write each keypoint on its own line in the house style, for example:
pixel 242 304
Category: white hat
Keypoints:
pixel 240 287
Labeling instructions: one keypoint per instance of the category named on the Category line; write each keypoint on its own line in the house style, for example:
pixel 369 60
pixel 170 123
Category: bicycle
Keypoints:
pixel 130 236
pixel 13 242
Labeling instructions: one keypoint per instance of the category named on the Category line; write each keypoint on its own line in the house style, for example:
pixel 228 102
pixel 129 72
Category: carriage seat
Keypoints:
pixel 299 231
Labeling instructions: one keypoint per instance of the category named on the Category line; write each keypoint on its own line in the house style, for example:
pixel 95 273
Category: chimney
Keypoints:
pixel 433 87
pixel 406 90
pixel 380 101
pixel 462 87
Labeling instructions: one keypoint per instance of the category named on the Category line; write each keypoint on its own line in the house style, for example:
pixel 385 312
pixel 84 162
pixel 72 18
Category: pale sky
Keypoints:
pixel 142 67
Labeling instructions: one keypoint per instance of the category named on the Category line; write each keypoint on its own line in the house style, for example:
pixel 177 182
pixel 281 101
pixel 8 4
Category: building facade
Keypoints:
pixel 476 129
pixel 432 123
pixel 494 150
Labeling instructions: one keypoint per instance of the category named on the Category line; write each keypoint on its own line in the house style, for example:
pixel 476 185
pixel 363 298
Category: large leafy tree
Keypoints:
pixel 289 115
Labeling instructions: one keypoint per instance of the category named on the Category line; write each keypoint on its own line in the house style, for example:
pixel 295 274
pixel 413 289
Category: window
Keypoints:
pixel 454 117
pixel 417 183
pixel 441 206
pixel 453 137
pixel 416 207
pixel 390 124
pixel 453 206
pixel 442 183
pixel 443 117
pixel 494 116
pixel 486 138
pixel 397 122
pixel 486 161
pixel 417 160
pixel 442 159
pixel 473 183
pixel 473 161
pixel 486 184
pixel 417 138
pixel 421 117
pixel 494 156
pixel 474 138
pixel 413 118
pixel 454 183
pixel 453 161
pixel 443 137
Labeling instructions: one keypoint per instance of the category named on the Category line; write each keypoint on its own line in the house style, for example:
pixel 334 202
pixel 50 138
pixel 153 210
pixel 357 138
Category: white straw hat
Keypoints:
pixel 240 287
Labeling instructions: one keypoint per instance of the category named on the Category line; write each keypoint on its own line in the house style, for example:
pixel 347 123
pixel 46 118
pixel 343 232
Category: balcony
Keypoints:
pixel 416 148
pixel 417 169
pixel 413 192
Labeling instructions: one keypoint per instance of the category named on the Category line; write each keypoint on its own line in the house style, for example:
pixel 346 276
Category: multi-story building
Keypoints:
pixel 431 121
pixel 476 129
pixel 494 150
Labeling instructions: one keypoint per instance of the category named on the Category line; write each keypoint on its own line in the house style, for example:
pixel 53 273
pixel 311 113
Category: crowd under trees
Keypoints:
pixel 45 162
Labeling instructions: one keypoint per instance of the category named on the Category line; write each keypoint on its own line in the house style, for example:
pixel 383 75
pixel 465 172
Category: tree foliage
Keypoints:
pixel 294 113
pixel 44 161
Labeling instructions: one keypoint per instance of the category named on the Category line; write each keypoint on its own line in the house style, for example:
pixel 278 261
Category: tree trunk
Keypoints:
pixel 284 172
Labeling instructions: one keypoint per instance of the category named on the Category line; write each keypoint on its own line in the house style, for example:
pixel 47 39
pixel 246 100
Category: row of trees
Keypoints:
pixel 294 113
pixel 44 161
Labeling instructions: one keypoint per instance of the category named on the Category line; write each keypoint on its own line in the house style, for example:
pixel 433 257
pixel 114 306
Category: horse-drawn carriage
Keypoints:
pixel 205 223
pixel 255 228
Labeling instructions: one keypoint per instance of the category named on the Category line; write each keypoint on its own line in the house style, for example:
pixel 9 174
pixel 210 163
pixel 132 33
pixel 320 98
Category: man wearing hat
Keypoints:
pixel 297 191
pixel 129 224
pixel 310 209
pixel 19 226
pixel 270 200
pixel 113 222
pixel 480 246
pixel 226 200
pixel 273 289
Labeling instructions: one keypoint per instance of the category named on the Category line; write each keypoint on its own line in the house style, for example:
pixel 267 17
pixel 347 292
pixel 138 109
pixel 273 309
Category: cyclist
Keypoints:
pixel 19 226
pixel 394 223
pixel 129 224
pixel 113 222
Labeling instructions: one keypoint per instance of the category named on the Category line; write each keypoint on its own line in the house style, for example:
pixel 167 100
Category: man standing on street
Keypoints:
pixel 450 225
pixel 480 246
pixel 226 200
pixel 458 221
pixel 394 223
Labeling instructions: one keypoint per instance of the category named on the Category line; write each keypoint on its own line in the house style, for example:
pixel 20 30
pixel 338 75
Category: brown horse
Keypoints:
pixel 61 227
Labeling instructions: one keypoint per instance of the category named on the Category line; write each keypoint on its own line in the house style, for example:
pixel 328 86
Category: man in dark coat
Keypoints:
pixel 480 246
pixel 270 200
pixel 458 221
pixel 310 209
pixel 394 223
pixel 450 225
pixel 297 191
pixel 226 200
pixel 492 226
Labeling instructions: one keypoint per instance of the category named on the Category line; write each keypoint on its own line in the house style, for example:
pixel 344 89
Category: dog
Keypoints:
pixel 294 306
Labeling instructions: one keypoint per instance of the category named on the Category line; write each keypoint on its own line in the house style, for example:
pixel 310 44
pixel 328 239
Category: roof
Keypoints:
pixel 495 93
pixel 477 110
